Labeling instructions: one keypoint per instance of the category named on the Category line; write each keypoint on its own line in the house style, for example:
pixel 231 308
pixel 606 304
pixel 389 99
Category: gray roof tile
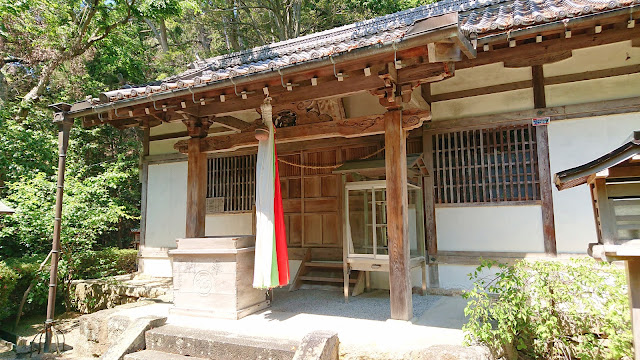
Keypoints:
pixel 476 16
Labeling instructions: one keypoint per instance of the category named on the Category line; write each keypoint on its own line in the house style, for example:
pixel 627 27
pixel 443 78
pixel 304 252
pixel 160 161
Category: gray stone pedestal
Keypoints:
pixel 213 276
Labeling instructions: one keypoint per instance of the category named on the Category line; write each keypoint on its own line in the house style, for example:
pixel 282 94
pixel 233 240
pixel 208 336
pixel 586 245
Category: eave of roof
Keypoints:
pixel 475 17
pixel 578 175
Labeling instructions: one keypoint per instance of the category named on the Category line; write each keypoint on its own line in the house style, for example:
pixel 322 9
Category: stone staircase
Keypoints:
pixel 172 342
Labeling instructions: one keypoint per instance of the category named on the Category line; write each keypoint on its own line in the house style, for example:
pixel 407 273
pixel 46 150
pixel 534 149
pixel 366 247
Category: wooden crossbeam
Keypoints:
pixel 231 122
pixel 349 128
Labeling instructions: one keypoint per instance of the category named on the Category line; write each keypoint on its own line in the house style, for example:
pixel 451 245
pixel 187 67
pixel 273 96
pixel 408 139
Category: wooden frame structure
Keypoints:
pixel 614 184
pixel 431 47
pixel 374 262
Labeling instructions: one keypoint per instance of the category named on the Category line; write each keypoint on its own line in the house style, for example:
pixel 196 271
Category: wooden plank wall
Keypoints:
pixel 311 197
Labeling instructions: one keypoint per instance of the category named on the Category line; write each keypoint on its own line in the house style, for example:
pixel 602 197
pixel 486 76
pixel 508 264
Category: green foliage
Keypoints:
pixel 17 274
pixel 107 262
pixel 27 270
pixel 550 309
pixel 8 279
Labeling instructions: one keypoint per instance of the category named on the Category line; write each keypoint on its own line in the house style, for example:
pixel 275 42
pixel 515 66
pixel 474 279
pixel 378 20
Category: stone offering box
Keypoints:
pixel 213 277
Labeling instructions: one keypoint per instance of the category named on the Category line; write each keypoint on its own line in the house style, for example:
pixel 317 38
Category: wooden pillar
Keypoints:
pixel 544 168
pixel 144 180
pixel 606 216
pixel 196 179
pixel 633 279
pixel 430 211
pixel 395 140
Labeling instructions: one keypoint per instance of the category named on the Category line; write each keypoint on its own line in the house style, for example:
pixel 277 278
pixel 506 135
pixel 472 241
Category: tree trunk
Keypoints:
pixel 163 36
pixel 160 34
pixel 37 90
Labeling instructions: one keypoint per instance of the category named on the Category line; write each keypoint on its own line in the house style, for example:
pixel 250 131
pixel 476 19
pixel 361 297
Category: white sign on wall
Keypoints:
pixel 540 121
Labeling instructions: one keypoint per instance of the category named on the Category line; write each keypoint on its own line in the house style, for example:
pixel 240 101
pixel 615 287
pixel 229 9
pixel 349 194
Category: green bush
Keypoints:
pixel 107 262
pixel 550 310
pixel 17 274
pixel 27 270
pixel 8 279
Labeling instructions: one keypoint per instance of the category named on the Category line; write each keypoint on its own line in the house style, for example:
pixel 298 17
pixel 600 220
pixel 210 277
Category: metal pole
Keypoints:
pixel 64 127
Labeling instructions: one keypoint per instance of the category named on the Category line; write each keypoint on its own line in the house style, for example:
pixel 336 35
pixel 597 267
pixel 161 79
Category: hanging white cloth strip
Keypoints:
pixel 265 229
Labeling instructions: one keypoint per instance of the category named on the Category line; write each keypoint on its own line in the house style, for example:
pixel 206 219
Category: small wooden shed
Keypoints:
pixel 614 182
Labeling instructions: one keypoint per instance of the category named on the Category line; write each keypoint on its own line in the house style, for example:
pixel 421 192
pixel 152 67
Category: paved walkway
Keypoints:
pixel 362 324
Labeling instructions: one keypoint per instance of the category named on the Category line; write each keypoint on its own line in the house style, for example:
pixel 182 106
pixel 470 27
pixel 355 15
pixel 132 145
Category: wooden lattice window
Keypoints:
pixel 231 183
pixel 486 166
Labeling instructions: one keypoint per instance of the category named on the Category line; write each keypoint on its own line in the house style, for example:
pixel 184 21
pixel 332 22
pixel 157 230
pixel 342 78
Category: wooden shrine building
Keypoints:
pixel 492 96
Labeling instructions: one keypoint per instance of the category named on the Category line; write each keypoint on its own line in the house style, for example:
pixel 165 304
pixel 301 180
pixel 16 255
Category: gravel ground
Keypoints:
pixel 370 306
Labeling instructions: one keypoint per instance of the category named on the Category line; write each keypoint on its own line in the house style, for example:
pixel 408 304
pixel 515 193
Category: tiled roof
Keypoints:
pixel 518 13
pixel 476 16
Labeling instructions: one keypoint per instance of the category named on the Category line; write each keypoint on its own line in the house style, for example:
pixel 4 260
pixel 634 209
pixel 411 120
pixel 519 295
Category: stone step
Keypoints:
pixel 157 355
pixel 219 345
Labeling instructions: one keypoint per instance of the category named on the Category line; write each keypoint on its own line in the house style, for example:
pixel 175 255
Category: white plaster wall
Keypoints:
pixel 380 279
pixel 573 143
pixel 595 58
pixel 457 276
pixel 160 147
pixel 490 228
pixel 166 204
pixel 229 224
pixel 482 105
pixel 362 104
pixel 485 75
pixel 157 267
pixel 167 128
pixel 617 87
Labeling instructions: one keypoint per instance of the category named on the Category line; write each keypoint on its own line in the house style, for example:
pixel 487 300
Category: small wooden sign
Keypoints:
pixel 215 205
pixel 541 121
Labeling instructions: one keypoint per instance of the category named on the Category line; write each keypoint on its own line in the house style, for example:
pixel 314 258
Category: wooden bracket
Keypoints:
pixel 389 75
pixel 197 127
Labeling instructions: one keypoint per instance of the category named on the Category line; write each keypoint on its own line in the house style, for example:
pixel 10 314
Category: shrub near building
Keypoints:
pixel 8 279
pixel 17 274
pixel 551 310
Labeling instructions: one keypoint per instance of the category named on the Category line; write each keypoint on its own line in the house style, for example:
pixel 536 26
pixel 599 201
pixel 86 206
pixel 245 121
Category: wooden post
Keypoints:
pixel 196 179
pixel 397 216
pixel 429 210
pixel 633 279
pixel 63 144
pixel 606 216
pixel 144 180
pixel 544 168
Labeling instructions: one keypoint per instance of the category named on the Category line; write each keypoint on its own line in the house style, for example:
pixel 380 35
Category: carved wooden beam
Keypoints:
pixel 350 128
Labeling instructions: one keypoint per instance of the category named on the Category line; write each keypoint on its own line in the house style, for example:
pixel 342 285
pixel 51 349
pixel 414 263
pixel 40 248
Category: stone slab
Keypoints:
pixel 133 338
pixel 219 345
pixel 319 345
pixel 157 355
